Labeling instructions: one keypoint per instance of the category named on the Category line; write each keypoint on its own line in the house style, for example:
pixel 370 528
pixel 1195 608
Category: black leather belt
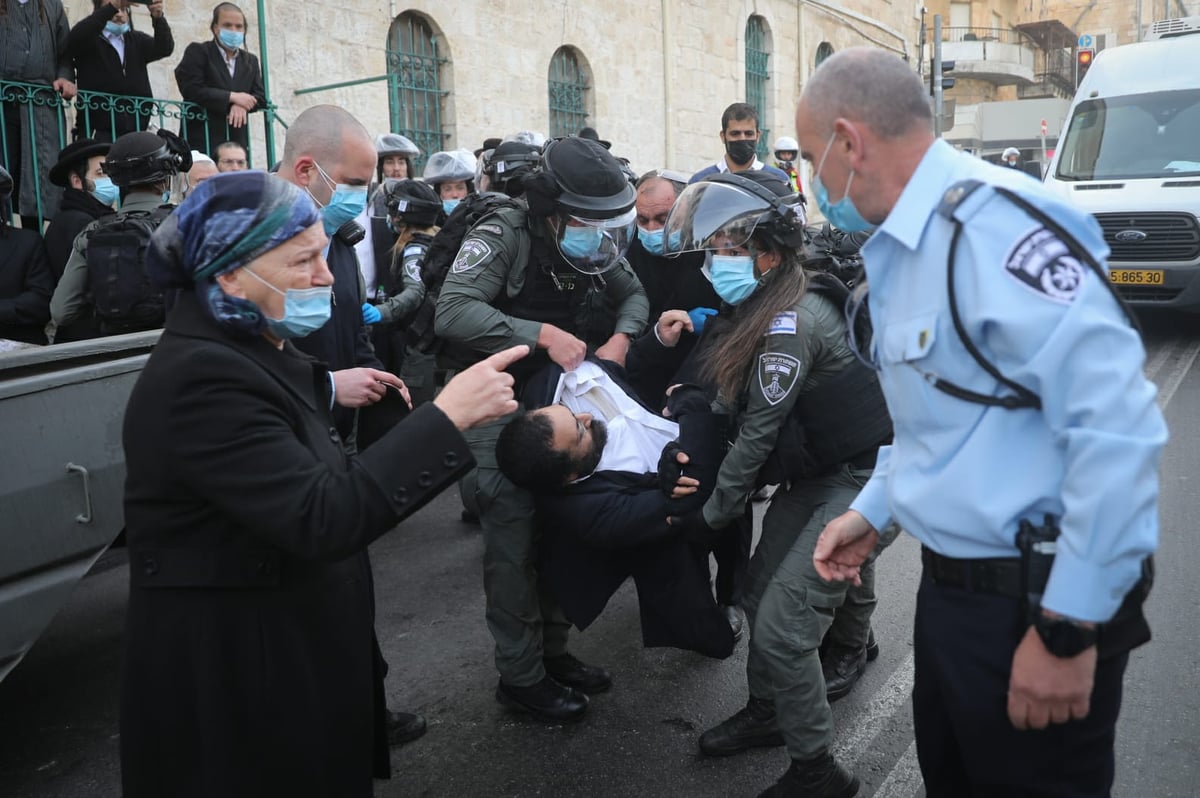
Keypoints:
pixel 999 576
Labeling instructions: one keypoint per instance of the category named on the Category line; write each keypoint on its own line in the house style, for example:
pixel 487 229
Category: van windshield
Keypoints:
pixel 1139 135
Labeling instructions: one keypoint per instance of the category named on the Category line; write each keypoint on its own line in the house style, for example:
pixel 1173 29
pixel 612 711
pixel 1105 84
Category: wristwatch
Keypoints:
pixel 1063 637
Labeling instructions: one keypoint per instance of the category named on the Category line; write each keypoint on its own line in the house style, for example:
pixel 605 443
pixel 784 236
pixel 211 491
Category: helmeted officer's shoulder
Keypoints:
pixel 495 235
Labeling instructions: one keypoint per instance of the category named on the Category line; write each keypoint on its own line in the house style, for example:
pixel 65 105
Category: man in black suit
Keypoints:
pixel 602 507
pixel 111 57
pixel 224 78
pixel 25 284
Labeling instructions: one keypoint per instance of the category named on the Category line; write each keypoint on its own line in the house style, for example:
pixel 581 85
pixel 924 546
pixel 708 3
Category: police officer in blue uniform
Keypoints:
pixel 1027 440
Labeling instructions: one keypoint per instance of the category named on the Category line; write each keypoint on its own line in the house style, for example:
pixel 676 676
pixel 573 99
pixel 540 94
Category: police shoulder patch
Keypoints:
pixel 777 375
pixel 413 268
pixel 494 229
pixel 1042 263
pixel 783 324
pixel 473 252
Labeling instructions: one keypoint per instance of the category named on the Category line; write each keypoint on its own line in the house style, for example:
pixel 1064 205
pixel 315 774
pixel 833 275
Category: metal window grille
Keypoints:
pixel 824 50
pixel 757 57
pixel 568 88
pixel 414 84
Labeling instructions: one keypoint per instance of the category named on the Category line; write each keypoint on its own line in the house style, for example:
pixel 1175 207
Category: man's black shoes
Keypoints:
pixel 843 667
pixel 819 777
pixel 752 726
pixel 569 671
pixel 546 701
pixel 404 727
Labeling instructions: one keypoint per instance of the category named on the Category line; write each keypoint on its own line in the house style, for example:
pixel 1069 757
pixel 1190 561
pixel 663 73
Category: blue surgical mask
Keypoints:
pixel 580 241
pixel 231 38
pixel 114 29
pixel 733 277
pixel 305 310
pixel 346 203
pixel 841 214
pixel 448 205
pixel 651 241
pixel 105 190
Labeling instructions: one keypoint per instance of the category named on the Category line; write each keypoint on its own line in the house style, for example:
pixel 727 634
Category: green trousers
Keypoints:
pixel 525 623
pixel 789 607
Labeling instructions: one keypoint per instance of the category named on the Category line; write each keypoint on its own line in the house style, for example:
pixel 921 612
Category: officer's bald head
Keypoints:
pixel 867 85
pixel 322 133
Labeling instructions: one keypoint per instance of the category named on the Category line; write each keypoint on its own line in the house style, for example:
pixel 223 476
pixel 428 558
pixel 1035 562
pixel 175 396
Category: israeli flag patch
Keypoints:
pixel 783 324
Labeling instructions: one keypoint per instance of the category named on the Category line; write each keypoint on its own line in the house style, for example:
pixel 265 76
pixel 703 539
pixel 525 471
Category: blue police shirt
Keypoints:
pixel 960 476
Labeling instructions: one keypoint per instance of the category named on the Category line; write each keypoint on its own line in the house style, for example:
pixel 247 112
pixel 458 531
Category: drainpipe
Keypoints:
pixel 668 85
pixel 268 112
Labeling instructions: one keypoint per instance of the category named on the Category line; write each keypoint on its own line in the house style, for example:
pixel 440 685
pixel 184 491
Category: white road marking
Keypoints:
pixel 868 723
pixel 904 780
pixel 1174 367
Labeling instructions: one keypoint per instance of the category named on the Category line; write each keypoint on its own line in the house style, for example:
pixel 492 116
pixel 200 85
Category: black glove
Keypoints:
pixel 669 469
pixel 694 529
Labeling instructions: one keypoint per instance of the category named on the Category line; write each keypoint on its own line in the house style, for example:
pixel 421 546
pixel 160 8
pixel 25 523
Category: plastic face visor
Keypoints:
pixel 712 216
pixel 593 246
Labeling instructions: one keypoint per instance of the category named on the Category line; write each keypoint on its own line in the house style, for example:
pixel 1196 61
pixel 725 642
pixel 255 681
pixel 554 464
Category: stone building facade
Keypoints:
pixel 652 77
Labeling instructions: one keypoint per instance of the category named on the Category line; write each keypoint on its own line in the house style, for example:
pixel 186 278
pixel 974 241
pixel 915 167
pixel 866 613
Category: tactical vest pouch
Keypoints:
pixel 123 298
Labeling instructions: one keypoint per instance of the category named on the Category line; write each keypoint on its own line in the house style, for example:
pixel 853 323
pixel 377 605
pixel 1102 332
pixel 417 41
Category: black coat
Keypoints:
pixel 345 340
pixel 100 69
pixel 597 533
pixel 249 666
pixel 25 285
pixel 204 79
pixel 77 210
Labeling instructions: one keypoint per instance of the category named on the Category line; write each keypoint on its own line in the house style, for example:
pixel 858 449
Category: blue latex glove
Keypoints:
pixel 698 317
pixel 371 314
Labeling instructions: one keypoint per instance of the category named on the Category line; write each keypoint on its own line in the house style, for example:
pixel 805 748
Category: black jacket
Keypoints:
pixel 25 285
pixel 204 79
pixel 100 69
pixel 345 341
pixel 613 525
pixel 250 666
pixel 77 210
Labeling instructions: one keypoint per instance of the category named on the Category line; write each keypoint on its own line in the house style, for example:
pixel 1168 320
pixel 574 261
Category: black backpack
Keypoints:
pixel 438 259
pixel 122 296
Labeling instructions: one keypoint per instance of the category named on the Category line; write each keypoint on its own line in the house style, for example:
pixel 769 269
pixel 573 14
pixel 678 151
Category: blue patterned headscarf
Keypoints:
pixel 226 222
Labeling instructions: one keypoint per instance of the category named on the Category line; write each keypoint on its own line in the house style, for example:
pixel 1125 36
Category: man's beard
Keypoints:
pixel 587 464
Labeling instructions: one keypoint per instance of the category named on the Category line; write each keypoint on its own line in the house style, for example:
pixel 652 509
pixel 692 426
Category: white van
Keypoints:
pixel 1131 157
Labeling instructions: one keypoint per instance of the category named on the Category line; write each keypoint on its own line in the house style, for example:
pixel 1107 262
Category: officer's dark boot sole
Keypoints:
pixel 510 703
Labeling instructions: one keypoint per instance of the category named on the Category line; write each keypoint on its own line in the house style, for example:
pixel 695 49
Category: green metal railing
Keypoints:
pixel 415 94
pixel 97 112
pixel 757 75
pixel 568 94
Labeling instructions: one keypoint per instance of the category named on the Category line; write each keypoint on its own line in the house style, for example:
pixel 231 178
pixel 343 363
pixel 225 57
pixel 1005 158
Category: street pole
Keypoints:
pixel 1138 19
pixel 268 112
pixel 935 76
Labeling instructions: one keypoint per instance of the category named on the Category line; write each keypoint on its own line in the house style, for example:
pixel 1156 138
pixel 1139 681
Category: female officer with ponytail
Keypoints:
pixel 805 410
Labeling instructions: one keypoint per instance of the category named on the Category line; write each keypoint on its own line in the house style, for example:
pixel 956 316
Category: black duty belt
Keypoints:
pixel 999 576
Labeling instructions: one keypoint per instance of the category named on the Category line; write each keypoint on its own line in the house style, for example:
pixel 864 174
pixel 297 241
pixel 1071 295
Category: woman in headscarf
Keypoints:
pixel 249 667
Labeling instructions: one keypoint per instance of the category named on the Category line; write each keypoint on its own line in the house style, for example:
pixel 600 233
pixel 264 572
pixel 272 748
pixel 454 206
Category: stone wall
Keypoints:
pixel 657 111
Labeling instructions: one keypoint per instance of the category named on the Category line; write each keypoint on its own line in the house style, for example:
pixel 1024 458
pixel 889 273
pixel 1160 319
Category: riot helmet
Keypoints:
pixel 583 193
pixel 410 202
pixel 508 164
pixel 726 209
pixel 450 167
pixel 144 159
pixel 530 137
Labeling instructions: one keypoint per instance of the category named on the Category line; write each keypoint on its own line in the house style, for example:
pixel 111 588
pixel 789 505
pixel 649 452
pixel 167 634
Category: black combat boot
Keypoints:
pixel 842 667
pixel 548 701
pixel 819 777
pixel 753 726
pixel 404 727
pixel 566 669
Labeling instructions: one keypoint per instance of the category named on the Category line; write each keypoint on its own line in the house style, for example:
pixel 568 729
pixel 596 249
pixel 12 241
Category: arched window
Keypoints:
pixel 824 50
pixel 569 88
pixel 758 54
pixel 416 96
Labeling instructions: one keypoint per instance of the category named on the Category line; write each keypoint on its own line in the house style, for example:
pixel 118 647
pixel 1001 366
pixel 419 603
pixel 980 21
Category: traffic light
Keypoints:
pixel 936 73
pixel 1083 61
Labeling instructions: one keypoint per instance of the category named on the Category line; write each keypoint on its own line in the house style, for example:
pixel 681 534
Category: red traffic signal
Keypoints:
pixel 1083 59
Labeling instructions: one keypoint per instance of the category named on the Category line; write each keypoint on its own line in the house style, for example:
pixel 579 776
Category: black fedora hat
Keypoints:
pixel 73 153
pixel 590 133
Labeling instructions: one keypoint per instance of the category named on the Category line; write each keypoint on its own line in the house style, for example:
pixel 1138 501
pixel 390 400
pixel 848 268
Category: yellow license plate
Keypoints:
pixel 1136 276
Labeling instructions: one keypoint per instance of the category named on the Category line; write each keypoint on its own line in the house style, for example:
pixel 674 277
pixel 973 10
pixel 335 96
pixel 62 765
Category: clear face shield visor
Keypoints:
pixel 593 246
pixel 711 216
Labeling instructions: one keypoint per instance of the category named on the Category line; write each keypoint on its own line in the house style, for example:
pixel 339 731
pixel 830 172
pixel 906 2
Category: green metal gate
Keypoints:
pixel 757 57
pixel 415 95
pixel 568 94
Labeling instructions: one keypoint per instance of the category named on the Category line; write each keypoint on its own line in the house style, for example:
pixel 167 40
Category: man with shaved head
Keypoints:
pixel 331 156
pixel 1026 445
